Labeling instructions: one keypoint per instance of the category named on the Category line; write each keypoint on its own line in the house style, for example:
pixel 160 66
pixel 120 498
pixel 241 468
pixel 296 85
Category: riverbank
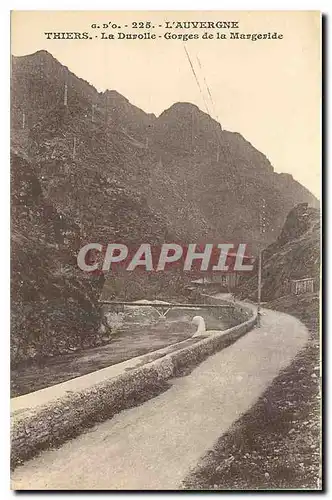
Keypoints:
pixel 142 332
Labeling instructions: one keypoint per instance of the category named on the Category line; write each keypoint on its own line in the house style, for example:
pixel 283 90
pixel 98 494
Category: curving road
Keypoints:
pixel 154 446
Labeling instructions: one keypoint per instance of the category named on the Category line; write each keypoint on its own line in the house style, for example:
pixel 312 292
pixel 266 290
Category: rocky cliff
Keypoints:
pixel 98 169
pixel 294 255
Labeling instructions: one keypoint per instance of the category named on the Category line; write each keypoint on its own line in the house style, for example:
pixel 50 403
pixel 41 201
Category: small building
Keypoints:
pixel 305 285
pixel 227 280
pixel 223 280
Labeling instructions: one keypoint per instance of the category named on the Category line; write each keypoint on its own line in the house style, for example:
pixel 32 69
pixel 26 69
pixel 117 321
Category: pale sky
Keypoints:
pixel 268 90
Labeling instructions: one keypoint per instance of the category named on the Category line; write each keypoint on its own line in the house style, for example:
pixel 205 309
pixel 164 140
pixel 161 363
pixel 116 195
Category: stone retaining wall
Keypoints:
pixel 62 419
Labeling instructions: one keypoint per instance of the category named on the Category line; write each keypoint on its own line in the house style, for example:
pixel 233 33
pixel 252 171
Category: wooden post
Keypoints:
pixel 23 121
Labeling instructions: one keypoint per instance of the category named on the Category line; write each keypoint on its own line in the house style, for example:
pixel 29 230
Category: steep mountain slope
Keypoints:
pixel 203 182
pixel 54 307
pixel 98 169
pixel 294 255
pixel 223 176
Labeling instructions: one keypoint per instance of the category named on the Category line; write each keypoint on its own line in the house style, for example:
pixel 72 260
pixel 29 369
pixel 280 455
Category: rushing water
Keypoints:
pixel 177 320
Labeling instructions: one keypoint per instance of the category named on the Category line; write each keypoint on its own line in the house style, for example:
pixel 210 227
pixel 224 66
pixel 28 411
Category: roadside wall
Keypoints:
pixel 64 418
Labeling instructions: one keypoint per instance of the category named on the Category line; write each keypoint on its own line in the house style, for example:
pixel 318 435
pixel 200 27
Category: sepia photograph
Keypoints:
pixel 165 209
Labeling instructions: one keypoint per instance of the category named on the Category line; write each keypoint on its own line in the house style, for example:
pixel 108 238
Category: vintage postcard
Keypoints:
pixel 165 248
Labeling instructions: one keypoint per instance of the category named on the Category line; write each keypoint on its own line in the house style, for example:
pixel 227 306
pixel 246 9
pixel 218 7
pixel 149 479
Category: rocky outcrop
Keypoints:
pixel 294 255
pixel 54 308
pixel 98 169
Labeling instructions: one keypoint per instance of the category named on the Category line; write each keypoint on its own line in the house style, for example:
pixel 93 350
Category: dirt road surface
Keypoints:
pixel 155 445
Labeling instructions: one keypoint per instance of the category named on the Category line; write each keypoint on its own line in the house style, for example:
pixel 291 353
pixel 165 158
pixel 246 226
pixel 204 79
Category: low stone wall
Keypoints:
pixel 239 312
pixel 62 419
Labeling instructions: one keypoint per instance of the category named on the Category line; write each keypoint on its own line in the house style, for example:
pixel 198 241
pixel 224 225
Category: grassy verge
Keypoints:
pixel 276 444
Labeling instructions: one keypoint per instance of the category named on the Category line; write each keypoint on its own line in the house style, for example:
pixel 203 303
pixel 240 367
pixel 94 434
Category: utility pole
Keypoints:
pixel 65 97
pixel 261 232
pixel 74 148
pixel 23 121
pixel 259 288
pixel 106 110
